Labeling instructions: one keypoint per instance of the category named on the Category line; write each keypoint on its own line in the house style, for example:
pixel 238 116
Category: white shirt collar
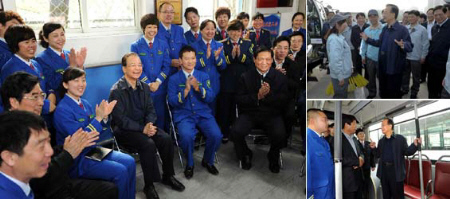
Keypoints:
pixel 76 101
pixel 220 30
pixel 2 39
pixel 442 22
pixel 193 32
pixel 236 41
pixel 148 41
pixel 263 74
pixel 320 135
pixel 167 28
pixel 54 50
pixel 206 41
pixel 26 62
pixel 186 74
pixel 24 186
pixel 278 65
pixel 293 30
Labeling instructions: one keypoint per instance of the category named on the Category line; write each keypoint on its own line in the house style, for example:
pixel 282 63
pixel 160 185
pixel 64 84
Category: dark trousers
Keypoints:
pixel 445 94
pixel 412 66
pixel 272 125
pixel 349 195
pixel 95 189
pixel 146 148
pixel 435 77
pixel 423 72
pixel 357 61
pixel 289 117
pixel 366 184
pixel 226 112
pixel 390 85
pixel 372 68
pixel 391 188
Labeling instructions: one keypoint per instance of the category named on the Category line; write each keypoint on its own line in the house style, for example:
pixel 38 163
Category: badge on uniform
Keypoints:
pixel 181 85
pixel 81 120
pixel 61 71
pixel 160 52
pixel 142 54
pixel 91 116
pixel 208 83
pixel 200 53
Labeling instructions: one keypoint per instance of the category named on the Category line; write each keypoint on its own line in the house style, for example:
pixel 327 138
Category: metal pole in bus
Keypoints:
pixel 338 149
pixel 419 150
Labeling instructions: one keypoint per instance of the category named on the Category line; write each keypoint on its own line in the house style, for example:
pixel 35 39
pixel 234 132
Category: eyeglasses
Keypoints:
pixel 36 97
pixel 168 12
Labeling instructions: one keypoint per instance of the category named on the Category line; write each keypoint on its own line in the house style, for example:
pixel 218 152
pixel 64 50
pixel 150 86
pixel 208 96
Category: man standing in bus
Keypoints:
pixel 352 159
pixel 391 165
pixel 320 169
pixel 368 161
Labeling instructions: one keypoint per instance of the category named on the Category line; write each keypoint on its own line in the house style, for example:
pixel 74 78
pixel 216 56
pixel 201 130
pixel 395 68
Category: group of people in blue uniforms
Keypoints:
pixel 195 72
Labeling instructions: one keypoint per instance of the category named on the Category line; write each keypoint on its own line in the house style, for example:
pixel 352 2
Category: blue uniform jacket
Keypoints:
pixel 229 77
pixel 195 102
pixel 218 36
pixel 264 38
pixel 53 67
pixel 190 38
pixel 175 40
pixel 69 117
pixel 320 170
pixel 155 61
pixel 15 64
pixel 210 66
pixel 289 31
pixel 10 190
pixel 5 54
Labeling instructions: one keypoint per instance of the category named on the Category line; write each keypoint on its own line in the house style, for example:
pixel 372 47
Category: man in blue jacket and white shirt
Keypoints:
pixel 320 169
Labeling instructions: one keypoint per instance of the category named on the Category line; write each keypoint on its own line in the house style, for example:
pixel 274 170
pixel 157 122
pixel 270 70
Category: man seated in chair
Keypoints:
pixel 189 93
pixel 21 92
pixel 133 123
pixel 261 95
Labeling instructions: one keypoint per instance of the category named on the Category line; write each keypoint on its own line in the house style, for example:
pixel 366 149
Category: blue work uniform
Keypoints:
pixel 218 36
pixel 190 37
pixel 117 167
pixel 156 66
pixel 193 112
pixel 5 53
pixel 320 170
pixel 15 64
pixel 289 31
pixel 174 38
pixel 264 38
pixel 210 66
pixel 53 66
pixel 9 189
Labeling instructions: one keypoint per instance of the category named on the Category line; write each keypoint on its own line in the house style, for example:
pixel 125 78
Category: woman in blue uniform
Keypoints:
pixel 193 19
pixel 73 113
pixel 297 25
pixel 210 57
pixel 154 55
pixel 22 43
pixel 54 60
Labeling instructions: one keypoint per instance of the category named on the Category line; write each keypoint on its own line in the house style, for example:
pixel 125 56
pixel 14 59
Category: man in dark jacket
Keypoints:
pixel 391 152
pixel 133 121
pixel 352 159
pixel 369 162
pixel 356 40
pixel 261 95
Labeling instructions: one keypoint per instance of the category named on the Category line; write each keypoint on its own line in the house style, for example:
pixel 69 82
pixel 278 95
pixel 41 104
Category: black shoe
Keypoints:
pixel 173 182
pixel 189 172
pixel 404 92
pixel 211 168
pixel 274 164
pixel 150 192
pixel 224 140
pixel 413 96
pixel 246 162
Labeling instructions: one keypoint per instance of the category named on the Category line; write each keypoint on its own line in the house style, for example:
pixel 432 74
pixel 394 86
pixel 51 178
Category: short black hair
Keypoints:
pixel 221 11
pixel 70 73
pixel 447 6
pixel 164 3
pixel 205 22
pixel 9 15
pixel 297 33
pixel 190 9
pixel 444 9
pixel 15 130
pixel 359 130
pixel 280 39
pixel 125 57
pixel 258 15
pixel 406 12
pixel 48 28
pixel 394 9
pixel 186 49
pixel 243 15
pixel 389 121
pixel 348 119
pixel 16 85
pixel 262 49
pixel 149 19
pixel 424 16
pixel 414 12
pixel 16 34
pixel 360 14
pixel 331 125
pixel 235 24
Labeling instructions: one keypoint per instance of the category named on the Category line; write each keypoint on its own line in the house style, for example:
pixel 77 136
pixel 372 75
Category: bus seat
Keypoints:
pixel 412 188
pixel 442 180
